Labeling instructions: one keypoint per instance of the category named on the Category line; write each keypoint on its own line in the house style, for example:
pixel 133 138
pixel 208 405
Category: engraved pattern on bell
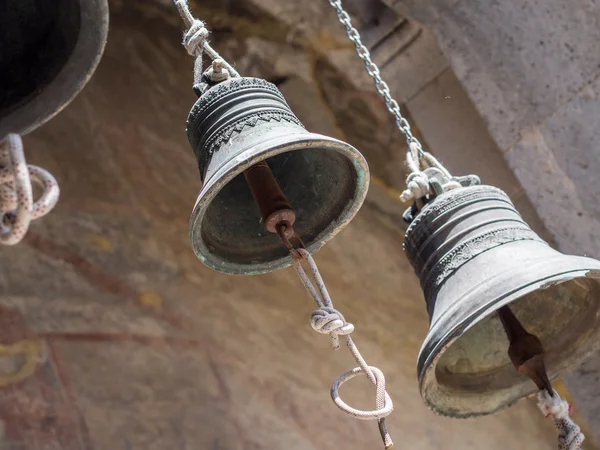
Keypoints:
pixel 239 123
pixel 473 254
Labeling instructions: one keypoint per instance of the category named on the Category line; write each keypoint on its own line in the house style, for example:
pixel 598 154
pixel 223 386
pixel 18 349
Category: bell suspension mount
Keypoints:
pixel 428 178
pixel 420 182
pixel 278 217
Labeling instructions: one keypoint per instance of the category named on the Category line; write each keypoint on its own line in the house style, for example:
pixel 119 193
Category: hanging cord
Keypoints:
pixel 325 319
pixel 328 320
pixel 196 43
pixel 418 181
pixel 570 436
pixel 17 208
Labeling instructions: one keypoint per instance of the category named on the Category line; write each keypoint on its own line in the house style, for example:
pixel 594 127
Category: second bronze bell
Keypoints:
pixel 474 254
pixel 245 121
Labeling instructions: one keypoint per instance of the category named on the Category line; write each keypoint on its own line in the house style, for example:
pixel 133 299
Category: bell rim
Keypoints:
pixel 581 267
pixel 260 152
pixel 67 84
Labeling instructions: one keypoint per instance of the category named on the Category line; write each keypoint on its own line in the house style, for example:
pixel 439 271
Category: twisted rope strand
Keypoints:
pixel 327 320
pixel 570 436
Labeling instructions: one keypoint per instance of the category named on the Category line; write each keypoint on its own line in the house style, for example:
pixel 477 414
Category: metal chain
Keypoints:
pixel 373 70
pixel 419 183
pixel 327 320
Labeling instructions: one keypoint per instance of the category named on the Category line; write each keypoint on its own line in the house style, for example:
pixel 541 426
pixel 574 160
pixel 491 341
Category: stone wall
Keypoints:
pixel 531 69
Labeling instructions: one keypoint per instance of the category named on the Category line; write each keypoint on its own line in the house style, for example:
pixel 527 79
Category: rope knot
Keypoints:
pixel 570 436
pixel 195 37
pixel 328 320
pixel 417 185
pixel 553 406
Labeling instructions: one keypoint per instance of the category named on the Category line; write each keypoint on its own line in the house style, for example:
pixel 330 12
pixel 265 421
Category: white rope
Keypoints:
pixel 570 436
pixel 417 182
pixel 17 208
pixel 195 37
pixel 327 320
pixel 195 41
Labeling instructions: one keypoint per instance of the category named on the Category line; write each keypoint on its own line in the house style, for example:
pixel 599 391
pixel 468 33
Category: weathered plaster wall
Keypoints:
pixel 531 69
pixel 133 344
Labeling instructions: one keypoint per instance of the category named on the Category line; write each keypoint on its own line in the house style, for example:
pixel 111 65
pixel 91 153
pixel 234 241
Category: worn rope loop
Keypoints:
pixel 17 208
pixel 570 436
pixel 380 413
pixel 327 320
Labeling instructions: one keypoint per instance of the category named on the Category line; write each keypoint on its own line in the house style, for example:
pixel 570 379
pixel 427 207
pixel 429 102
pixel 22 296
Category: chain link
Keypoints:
pixel 373 71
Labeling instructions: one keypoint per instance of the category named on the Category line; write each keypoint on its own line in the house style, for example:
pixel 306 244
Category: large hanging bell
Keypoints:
pixel 244 121
pixel 49 49
pixel 474 254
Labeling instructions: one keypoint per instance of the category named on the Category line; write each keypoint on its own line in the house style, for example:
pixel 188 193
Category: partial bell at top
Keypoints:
pixel 234 126
pixel 49 49
pixel 474 254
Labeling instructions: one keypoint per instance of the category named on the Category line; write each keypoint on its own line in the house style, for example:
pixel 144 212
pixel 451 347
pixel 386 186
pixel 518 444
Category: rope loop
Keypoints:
pixel 382 396
pixel 417 186
pixel 196 43
pixel 17 208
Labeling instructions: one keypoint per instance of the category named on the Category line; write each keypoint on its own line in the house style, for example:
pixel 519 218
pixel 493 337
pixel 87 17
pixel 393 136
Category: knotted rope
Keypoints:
pixel 418 182
pixel 195 41
pixel 17 208
pixel 570 436
pixel 327 320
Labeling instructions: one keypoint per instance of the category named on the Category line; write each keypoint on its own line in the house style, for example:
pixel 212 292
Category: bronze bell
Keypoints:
pixel 48 52
pixel 474 254
pixel 239 123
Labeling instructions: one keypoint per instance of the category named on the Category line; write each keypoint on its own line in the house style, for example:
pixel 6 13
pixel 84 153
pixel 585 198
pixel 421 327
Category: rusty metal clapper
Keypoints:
pixel 49 49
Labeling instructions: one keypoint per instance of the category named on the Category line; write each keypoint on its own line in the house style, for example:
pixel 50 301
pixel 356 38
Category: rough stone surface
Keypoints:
pixel 136 345
pixel 519 61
